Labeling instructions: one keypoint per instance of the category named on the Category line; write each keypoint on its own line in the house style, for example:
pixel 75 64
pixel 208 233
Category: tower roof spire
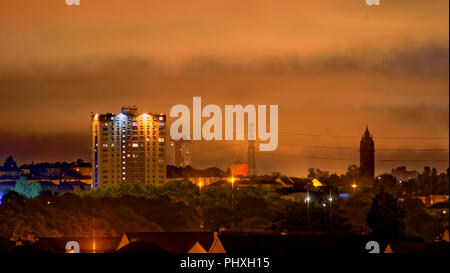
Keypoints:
pixel 366 132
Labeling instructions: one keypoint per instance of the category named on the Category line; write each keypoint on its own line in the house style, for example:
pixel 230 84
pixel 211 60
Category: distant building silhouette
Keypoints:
pixel 251 153
pixel 367 154
pixel 180 153
pixel 403 175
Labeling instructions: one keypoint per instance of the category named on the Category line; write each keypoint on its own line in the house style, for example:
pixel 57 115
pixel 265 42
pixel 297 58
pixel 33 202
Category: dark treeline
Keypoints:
pixel 182 206
pixel 188 171
pixel 177 206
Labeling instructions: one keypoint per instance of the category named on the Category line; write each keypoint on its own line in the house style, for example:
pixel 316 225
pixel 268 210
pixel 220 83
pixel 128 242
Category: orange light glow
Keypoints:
pixel 239 169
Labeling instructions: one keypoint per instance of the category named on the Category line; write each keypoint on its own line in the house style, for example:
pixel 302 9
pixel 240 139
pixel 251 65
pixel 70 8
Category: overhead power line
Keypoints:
pixel 376 137
pixel 326 147
pixel 377 149
pixel 354 159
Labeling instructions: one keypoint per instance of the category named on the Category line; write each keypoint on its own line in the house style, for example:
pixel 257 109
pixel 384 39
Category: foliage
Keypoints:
pixel 420 223
pixel 182 206
pixel 27 190
pixel 430 182
pixel 10 163
pixel 188 171
pixel 297 216
pixel 255 223
pixel 386 217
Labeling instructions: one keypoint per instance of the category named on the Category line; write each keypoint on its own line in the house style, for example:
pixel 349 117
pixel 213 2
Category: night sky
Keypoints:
pixel 331 66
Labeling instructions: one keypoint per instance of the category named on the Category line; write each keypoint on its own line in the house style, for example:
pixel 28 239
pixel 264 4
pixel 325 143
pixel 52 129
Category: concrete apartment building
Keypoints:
pixel 180 153
pixel 128 147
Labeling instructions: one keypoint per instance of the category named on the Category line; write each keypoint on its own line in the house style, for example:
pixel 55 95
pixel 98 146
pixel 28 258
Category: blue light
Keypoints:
pixel 344 195
pixel 161 124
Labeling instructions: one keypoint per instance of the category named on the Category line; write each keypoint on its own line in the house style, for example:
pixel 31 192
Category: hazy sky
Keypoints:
pixel 331 66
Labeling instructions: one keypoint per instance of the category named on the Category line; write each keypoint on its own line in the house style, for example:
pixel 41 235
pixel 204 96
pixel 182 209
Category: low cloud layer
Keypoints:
pixel 331 66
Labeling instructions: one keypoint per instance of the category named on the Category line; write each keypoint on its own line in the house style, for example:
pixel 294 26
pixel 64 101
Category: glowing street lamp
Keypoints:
pixel 330 199
pixel 232 191
pixel 354 187
pixel 308 211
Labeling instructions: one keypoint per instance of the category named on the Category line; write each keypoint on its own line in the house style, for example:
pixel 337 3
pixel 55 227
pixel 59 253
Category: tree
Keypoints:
pixel 255 223
pixel 419 222
pixel 27 190
pixel 430 182
pixel 353 176
pixel 318 173
pixel 10 163
pixel 387 182
pixel 386 217
pixel 353 172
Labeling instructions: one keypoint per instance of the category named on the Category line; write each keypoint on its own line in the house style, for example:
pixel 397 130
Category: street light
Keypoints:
pixel 232 191
pixel 354 188
pixel 308 212
pixel 330 199
pixel 200 184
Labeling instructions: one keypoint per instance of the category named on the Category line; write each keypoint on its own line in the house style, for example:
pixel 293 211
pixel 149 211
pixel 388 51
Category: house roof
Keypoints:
pixel 174 242
pixel 438 247
pixel 219 183
pixel 292 243
pixel 440 205
pixel 142 248
pixel 58 245
pixel 297 195
pixel 262 182
pixel 407 247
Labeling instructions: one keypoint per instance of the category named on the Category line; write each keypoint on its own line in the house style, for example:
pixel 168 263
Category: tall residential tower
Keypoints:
pixel 128 147
pixel 180 153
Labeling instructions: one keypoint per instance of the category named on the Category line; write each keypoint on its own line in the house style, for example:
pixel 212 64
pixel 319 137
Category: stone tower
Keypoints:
pixel 367 154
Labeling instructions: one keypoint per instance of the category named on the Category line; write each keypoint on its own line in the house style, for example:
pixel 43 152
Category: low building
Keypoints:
pixel 440 208
pixel 199 181
pixel 6 172
pixel 238 169
pixel 431 199
pixel 403 175
pixel 295 197
pixel 84 171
